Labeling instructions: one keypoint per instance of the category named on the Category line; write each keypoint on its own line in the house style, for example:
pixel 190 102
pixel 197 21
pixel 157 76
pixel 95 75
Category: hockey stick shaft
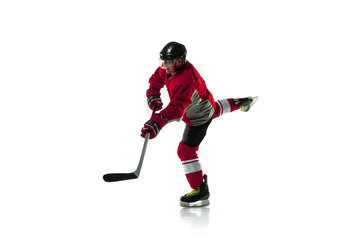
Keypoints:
pixel 138 169
pixel 147 136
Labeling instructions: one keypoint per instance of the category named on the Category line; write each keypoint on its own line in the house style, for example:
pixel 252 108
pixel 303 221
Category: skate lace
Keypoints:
pixel 193 192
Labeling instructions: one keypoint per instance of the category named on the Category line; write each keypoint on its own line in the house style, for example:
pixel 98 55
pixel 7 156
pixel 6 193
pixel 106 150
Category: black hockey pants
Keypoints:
pixel 193 135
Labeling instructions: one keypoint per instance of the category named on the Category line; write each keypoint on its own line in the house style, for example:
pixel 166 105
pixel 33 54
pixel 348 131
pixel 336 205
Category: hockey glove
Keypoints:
pixel 154 125
pixel 153 98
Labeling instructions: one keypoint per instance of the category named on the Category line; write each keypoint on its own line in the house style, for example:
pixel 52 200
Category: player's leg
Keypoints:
pixel 187 152
pixel 232 104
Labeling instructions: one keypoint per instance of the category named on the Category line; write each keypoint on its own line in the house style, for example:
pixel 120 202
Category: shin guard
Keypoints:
pixel 224 106
pixel 191 164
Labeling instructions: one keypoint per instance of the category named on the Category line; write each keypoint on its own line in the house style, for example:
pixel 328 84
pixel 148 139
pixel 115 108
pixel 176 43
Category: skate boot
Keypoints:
pixel 198 197
pixel 245 103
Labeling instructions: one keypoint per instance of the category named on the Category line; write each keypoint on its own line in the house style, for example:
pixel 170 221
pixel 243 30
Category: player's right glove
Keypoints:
pixel 154 125
pixel 153 99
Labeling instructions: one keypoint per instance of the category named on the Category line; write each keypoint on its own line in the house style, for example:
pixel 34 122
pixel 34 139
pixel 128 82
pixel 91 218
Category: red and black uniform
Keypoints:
pixel 192 102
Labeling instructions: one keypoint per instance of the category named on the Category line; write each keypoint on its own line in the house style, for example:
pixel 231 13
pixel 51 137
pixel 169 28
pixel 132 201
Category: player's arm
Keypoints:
pixel 156 82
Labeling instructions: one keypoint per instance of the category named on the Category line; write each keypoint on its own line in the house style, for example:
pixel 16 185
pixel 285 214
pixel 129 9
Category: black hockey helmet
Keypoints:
pixel 173 51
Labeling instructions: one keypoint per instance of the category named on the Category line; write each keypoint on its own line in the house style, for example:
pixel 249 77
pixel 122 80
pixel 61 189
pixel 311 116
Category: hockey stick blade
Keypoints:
pixel 114 177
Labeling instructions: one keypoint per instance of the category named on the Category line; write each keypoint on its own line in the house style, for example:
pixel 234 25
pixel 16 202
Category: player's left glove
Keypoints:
pixel 154 125
pixel 153 98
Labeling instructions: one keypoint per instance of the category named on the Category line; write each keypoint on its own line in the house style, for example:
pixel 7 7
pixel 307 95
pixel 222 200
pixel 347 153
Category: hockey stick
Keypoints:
pixel 114 177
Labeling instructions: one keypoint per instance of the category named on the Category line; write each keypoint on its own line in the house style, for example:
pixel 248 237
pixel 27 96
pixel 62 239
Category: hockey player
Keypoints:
pixel 192 102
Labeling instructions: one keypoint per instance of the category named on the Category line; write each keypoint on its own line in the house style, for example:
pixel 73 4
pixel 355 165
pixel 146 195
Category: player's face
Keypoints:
pixel 169 66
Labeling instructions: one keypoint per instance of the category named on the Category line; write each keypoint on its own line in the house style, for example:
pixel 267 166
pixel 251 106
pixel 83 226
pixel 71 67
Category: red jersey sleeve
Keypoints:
pixel 157 80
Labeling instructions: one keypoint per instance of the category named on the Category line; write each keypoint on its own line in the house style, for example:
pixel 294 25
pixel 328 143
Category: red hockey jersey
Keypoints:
pixel 190 100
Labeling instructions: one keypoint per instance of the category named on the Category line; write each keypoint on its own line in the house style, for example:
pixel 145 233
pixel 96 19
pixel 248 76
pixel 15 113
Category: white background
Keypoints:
pixel 72 102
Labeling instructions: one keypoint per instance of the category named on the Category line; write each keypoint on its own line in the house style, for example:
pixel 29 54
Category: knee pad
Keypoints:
pixel 187 153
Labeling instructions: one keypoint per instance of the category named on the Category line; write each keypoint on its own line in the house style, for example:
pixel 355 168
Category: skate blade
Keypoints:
pixel 253 101
pixel 200 203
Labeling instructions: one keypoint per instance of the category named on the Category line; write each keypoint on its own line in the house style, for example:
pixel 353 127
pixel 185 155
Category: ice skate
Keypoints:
pixel 245 103
pixel 198 197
